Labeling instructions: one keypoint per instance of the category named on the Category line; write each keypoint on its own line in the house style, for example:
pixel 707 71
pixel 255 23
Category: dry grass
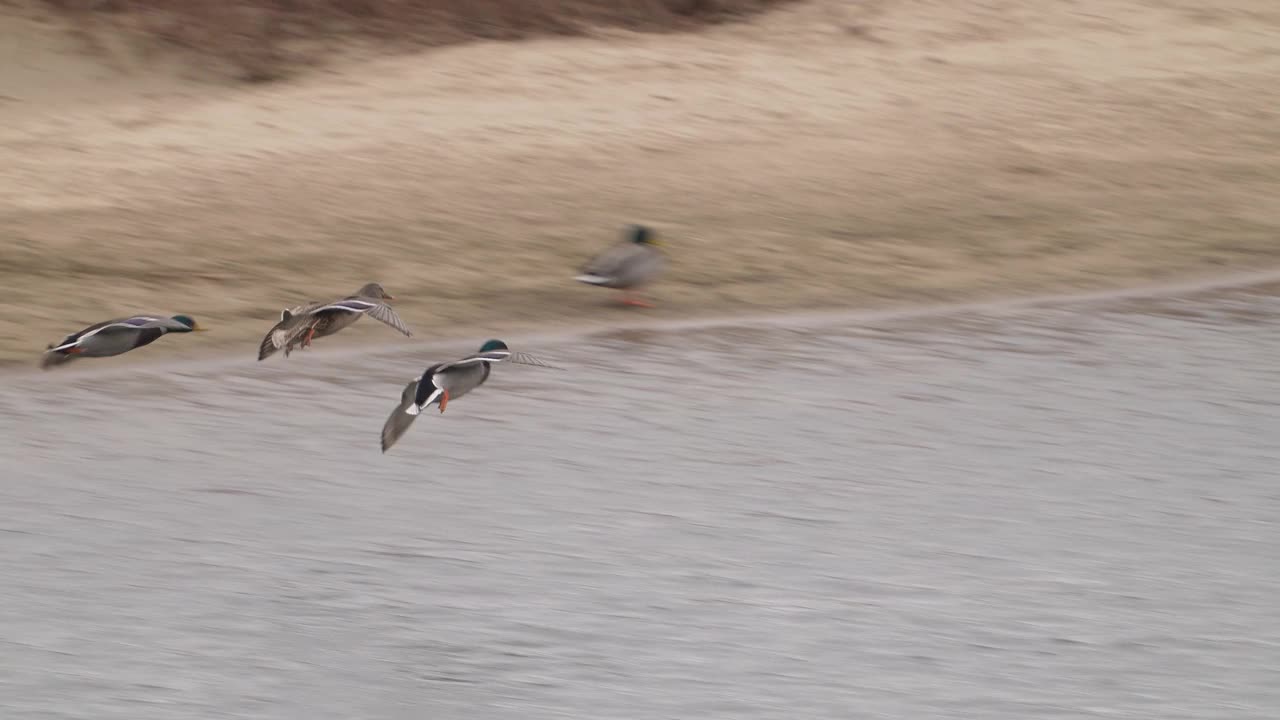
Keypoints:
pixel 944 151
pixel 265 40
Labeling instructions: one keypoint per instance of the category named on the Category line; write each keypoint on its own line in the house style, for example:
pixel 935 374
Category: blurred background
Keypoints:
pixel 727 505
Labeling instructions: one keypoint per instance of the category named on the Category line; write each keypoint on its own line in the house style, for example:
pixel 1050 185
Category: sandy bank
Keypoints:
pixel 822 156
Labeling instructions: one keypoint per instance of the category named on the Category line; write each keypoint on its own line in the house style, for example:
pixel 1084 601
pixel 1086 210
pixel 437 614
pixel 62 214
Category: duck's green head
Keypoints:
pixel 642 235
pixel 492 345
pixel 189 322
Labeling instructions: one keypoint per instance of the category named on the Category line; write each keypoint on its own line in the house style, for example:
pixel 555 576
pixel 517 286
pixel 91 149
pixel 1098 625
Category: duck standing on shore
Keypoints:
pixel 304 323
pixel 116 337
pixel 630 265
pixel 443 382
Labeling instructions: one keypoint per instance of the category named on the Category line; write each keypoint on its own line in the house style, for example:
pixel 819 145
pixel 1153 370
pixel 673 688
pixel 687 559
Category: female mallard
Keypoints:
pixel 445 381
pixel 631 264
pixel 304 323
pixel 116 337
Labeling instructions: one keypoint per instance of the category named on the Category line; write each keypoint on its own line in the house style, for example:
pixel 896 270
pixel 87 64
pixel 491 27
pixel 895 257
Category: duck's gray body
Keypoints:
pixel 320 319
pixel 624 267
pixel 111 337
pixel 445 382
pixel 631 264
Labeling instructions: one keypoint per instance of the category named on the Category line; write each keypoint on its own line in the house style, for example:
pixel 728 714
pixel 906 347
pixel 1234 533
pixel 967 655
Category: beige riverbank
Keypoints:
pixel 822 156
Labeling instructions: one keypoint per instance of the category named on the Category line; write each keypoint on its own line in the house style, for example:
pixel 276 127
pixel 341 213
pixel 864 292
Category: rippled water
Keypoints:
pixel 1069 511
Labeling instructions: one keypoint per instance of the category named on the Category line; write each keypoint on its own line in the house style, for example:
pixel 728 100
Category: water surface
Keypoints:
pixel 1032 512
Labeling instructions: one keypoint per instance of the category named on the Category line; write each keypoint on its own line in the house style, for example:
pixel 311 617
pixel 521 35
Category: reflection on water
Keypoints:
pixel 1064 511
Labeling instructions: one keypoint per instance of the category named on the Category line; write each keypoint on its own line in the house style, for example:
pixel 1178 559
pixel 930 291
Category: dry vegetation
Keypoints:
pixel 266 39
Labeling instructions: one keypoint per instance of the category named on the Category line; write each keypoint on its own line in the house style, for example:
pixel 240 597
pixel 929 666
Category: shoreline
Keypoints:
pixel 445 346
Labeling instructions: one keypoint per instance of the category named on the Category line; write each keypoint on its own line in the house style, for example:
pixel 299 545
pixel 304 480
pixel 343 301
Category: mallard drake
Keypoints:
pixel 304 323
pixel 443 382
pixel 116 337
pixel 629 265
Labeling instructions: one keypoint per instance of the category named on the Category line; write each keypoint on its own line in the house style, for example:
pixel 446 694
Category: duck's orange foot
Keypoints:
pixel 306 341
pixel 636 302
pixel 444 400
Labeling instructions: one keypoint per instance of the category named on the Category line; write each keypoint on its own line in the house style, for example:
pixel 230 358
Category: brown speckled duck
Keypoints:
pixel 304 323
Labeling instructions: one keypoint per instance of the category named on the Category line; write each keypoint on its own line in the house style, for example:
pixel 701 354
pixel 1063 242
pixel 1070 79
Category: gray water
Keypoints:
pixel 1037 512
